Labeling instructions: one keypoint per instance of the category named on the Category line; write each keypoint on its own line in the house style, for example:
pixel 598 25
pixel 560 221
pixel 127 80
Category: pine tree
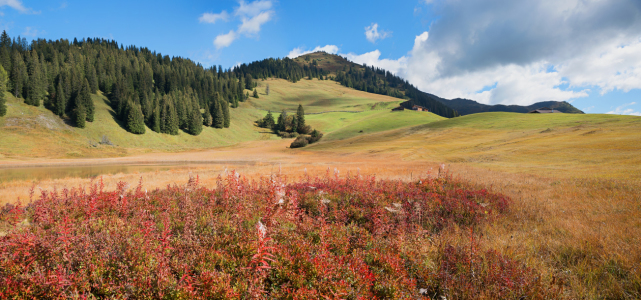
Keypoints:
pixel 226 116
pixel 281 126
pixel 60 102
pixel 135 119
pixel 207 119
pixel 218 117
pixel 80 116
pixel 85 99
pixel 155 120
pixel 255 94
pixel 300 119
pixel 18 74
pixel 3 89
pixel 268 121
pixel 195 123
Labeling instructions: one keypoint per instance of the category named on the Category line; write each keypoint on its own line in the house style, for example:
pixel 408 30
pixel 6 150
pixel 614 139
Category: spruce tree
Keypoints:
pixel 3 89
pixel 135 119
pixel 195 123
pixel 84 99
pixel 218 117
pixel 80 116
pixel 60 102
pixel 18 74
pixel 207 119
pixel 268 121
pixel 255 94
pixel 300 119
pixel 155 120
pixel 280 126
pixel 226 116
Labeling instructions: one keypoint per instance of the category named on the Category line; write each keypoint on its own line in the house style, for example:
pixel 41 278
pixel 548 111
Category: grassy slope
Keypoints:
pixel 317 96
pixel 552 144
pixel 29 131
pixel 25 129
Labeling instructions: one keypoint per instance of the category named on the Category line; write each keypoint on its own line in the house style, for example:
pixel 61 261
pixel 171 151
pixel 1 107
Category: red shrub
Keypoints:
pixel 319 238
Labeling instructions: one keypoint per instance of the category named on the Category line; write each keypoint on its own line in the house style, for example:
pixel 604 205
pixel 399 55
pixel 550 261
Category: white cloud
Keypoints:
pixel 372 34
pixel 213 18
pixel 622 110
pixel 253 8
pixel 252 25
pixel 331 49
pixel 521 52
pixel 252 16
pixel 373 59
pixel 17 5
pixel 224 40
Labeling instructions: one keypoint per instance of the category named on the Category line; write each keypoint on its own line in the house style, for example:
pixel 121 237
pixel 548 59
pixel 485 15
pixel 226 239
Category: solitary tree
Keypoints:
pixel 255 93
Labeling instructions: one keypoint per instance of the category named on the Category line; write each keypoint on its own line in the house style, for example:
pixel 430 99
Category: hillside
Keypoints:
pixel 35 132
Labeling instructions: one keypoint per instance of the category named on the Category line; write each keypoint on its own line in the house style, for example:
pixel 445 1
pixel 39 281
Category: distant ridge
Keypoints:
pixel 467 107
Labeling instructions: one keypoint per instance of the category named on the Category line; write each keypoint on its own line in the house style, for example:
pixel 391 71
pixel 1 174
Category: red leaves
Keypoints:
pixel 328 238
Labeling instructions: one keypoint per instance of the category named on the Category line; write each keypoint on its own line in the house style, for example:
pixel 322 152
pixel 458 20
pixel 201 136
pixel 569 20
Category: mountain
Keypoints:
pixel 467 107
pixel 372 80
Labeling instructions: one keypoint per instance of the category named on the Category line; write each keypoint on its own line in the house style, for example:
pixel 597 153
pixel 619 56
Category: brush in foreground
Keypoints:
pixel 331 238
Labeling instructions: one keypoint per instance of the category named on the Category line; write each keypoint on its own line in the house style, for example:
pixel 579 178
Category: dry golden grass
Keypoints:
pixel 576 215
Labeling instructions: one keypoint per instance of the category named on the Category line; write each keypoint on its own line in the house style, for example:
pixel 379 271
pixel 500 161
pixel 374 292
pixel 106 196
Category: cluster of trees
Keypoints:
pixel 144 87
pixel 375 80
pixel 289 126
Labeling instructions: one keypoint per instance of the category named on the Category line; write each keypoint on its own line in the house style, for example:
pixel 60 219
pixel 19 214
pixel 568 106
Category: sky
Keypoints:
pixel 586 52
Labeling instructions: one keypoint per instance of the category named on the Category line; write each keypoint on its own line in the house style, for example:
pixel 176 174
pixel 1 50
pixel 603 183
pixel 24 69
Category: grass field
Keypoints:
pixel 575 180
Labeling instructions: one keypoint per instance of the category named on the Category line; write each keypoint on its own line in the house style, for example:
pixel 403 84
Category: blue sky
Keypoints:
pixel 587 52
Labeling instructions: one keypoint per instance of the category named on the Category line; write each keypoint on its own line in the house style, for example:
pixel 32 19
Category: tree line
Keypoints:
pixel 143 87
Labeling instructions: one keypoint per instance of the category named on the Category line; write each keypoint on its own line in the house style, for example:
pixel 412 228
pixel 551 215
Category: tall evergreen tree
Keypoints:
pixel 255 93
pixel 18 74
pixel 226 116
pixel 84 98
pixel 3 89
pixel 218 117
pixel 60 102
pixel 282 120
pixel 80 116
pixel 195 123
pixel 300 119
pixel 207 118
pixel 135 119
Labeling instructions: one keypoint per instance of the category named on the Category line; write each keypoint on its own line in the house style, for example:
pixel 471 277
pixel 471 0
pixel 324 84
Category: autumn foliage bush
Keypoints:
pixel 316 238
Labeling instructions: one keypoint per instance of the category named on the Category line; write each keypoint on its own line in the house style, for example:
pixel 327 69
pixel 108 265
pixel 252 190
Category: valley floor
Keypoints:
pixel 575 180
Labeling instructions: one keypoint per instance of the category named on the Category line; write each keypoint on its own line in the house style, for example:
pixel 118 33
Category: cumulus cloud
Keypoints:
pixel 373 59
pixel 331 49
pixel 224 40
pixel 521 52
pixel 372 34
pixel 251 15
pixel 213 18
pixel 623 110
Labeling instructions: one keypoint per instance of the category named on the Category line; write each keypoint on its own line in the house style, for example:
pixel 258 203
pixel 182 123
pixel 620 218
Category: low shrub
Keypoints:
pixel 299 142
pixel 317 238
